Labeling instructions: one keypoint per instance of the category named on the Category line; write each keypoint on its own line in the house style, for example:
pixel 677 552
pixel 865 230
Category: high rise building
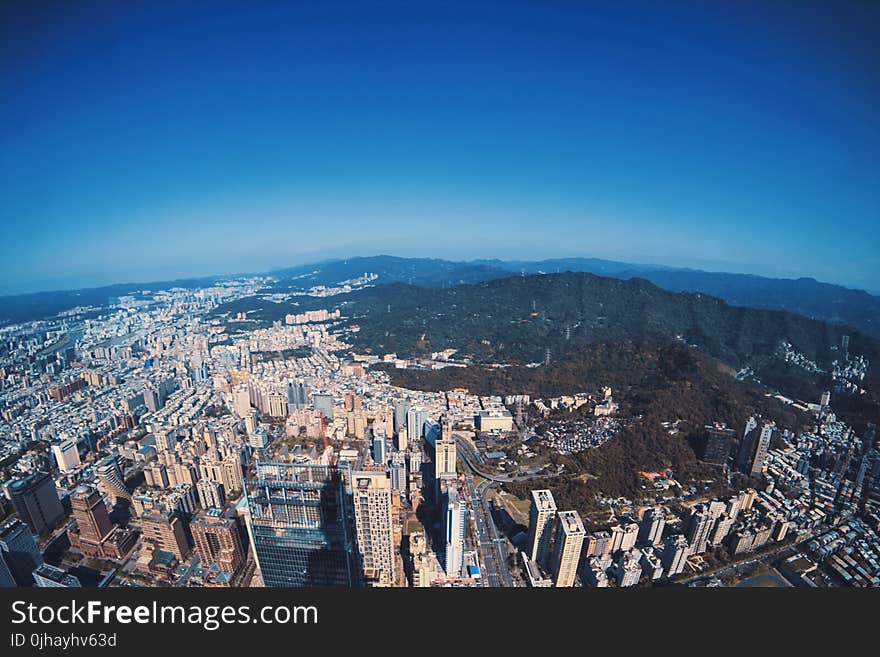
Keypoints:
pixel 415 422
pixel 455 524
pixel 401 407
pixel 651 526
pixel 754 447
pixel 35 498
pixel 717 445
pixel 675 554
pixel 445 461
pixel 763 446
pixel 373 523
pixel 402 439
pixel 541 516
pixel 156 476
pixel 567 548
pixel 700 523
pixel 6 579
pixel 623 537
pixel 323 404
pixel 217 541
pixel 211 494
pixel 92 520
pixel 66 454
pixel 47 576
pixel 301 524
pixel 20 551
pixel 722 529
pixel 628 568
pixel 597 544
pixel 241 400
pixel 278 406
pixel 380 447
pixel 398 471
pixel 166 531
pixel 650 563
pixel 110 479
pixel 415 461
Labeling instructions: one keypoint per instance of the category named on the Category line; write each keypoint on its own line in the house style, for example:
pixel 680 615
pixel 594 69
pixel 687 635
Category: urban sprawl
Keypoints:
pixel 153 443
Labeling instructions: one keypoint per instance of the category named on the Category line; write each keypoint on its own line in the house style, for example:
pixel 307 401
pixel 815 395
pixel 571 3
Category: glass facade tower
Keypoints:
pixel 301 524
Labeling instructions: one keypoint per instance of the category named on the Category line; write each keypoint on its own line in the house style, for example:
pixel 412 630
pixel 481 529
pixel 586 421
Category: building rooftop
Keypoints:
pixel 543 500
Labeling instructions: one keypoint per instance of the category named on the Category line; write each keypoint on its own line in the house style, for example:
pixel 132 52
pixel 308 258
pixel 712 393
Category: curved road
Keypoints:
pixel 465 454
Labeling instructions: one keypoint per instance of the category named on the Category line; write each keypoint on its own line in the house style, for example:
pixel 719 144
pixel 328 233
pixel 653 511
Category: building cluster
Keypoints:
pixel 167 440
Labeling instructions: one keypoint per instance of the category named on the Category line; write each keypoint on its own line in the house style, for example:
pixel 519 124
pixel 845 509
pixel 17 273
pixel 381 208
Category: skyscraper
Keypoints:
pixel 217 541
pixel 166 532
pixel 92 520
pixel 651 526
pixel 297 395
pixel 379 447
pixel 567 547
pixel 66 454
pixel 401 407
pixel 20 551
pixel 6 578
pixel 211 494
pixel 301 524
pixel 415 421
pixel 36 501
pixel 110 479
pixel 700 523
pixel 541 516
pixel 675 554
pixel 398 471
pixel 445 461
pixel 754 447
pixel 455 523
pixel 761 449
pixel 717 444
pixel 373 522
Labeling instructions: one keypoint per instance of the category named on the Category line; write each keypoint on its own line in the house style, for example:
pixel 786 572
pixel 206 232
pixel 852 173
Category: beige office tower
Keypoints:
pixel 445 453
pixel 748 499
pixel 541 517
pixel 166 532
pixel 217 541
pixel 567 547
pixel 373 522
pixel 402 441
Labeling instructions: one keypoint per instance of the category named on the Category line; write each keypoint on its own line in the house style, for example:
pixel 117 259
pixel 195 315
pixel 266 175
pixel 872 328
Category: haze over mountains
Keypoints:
pixel 804 296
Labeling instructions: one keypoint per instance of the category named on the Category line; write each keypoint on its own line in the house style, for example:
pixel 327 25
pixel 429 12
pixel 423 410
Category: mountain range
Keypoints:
pixel 804 296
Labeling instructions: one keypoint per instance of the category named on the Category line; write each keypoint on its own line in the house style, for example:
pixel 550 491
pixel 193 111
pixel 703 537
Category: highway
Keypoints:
pixel 466 454
pixel 493 548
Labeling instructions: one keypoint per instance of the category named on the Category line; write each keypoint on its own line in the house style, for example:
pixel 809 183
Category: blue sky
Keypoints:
pixel 144 141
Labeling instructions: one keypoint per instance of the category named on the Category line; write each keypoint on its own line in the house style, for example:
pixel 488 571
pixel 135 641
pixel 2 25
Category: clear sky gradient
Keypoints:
pixel 145 141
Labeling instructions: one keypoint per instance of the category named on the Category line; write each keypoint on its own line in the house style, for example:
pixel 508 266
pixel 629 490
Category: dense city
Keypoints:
pixel 155 442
